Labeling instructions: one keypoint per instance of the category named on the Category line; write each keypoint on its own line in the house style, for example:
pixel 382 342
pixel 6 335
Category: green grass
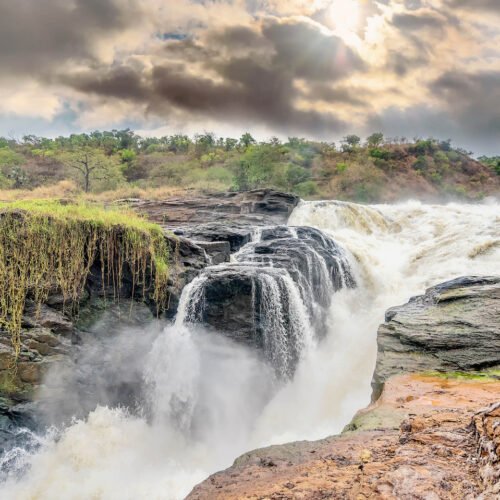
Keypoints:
pixel 82 211
pixel 457 375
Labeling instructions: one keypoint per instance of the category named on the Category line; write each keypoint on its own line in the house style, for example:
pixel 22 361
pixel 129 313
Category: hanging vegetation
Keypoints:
pixel 48 246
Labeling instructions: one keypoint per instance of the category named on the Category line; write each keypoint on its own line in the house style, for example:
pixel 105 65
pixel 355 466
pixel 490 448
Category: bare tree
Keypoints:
pixel 92 164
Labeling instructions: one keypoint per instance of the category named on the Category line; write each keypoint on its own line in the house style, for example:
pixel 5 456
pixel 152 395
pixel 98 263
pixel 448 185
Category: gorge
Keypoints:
pixel 269 337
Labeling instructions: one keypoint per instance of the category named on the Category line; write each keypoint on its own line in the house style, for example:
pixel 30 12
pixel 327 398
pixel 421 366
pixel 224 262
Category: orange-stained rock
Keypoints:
pixel 416 442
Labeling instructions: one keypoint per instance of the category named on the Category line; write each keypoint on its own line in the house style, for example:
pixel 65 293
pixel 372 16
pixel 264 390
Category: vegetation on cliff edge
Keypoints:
pixel 48 246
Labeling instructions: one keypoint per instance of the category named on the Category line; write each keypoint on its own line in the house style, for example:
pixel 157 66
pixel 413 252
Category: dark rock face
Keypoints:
pixel 455 326
pixel 275 294
pixel 257 207
pixel 50 333
pixel 233 233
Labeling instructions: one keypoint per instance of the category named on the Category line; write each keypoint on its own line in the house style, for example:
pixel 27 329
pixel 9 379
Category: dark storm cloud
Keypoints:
pixel 417 22
pixel 37 35
pixel 305 51
pixel 122 82
pixel 466 111
pixel 488 5
pixel 234 82
pixel 237 37
pixel 473 99
pixel 336 95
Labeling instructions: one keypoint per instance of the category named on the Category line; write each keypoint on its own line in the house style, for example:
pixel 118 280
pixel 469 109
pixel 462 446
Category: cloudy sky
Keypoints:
pixel 314 68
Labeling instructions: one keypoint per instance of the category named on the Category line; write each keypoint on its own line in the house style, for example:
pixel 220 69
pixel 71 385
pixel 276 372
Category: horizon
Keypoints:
pixel 319 70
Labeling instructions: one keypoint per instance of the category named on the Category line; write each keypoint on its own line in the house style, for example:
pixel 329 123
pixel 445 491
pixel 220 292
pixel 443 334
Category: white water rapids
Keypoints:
pixel 224 389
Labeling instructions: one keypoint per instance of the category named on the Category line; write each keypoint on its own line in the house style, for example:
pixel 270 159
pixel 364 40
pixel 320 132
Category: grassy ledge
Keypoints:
pixel 48 245
pixel 486 375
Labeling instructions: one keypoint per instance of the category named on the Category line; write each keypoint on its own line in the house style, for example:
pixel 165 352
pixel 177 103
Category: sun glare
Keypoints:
pixel 345 16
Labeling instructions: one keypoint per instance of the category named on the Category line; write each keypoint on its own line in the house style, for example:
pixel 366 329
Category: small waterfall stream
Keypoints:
pixel 316 298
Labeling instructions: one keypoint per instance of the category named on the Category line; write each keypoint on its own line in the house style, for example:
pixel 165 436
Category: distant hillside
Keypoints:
pixel 376 170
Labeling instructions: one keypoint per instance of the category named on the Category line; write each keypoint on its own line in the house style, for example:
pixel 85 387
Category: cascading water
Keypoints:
pixel 209 398
pixel 273 295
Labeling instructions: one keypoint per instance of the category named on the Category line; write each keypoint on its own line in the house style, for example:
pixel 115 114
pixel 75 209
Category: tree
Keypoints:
pixel 179 143
pixel 350 142
pixel 295 174
pixel 204 143
pixel 246 140
pixel 374 140
pixel 230 144
pixel 10 168
pixel 18 177
pixel 493 162
pixel 91 163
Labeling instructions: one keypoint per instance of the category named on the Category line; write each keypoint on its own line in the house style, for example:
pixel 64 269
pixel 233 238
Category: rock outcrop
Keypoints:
pixel 257 207
pixel 454 326
pixel 486 426
pixel 415 442
pixel 426 436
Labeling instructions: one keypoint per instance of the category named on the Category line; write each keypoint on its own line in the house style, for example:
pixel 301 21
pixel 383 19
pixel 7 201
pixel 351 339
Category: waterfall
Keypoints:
pixel 289 275
pixel 211 397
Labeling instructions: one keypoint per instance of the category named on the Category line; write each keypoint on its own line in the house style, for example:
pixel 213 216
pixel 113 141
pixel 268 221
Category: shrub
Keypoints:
pixel 421 164
pixel 341 168
pixel 382 154
pixel 296 175
pixel 441 157
pixel 307 188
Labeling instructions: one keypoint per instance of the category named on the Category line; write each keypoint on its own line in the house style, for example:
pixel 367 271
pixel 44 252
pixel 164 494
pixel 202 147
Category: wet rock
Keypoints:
pixel 259 298
pixel 455 326
pixel 235 234
pixel 187 260
pixel 48 318
pixel 29 373
pixel 217 251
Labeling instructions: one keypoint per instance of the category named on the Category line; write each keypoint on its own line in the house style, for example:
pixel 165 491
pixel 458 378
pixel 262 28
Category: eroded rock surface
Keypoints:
pixel 454 326
pixel 416 442
pixel 486 425
pixel 257 207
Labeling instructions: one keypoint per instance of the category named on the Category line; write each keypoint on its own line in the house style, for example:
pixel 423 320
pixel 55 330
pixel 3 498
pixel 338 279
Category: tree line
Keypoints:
pixel 106 160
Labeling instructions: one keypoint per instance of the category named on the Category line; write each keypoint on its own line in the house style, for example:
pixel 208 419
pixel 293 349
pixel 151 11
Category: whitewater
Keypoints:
pixel 211 400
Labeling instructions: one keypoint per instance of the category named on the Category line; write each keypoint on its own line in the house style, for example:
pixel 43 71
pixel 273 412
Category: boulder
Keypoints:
pixel 454 326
